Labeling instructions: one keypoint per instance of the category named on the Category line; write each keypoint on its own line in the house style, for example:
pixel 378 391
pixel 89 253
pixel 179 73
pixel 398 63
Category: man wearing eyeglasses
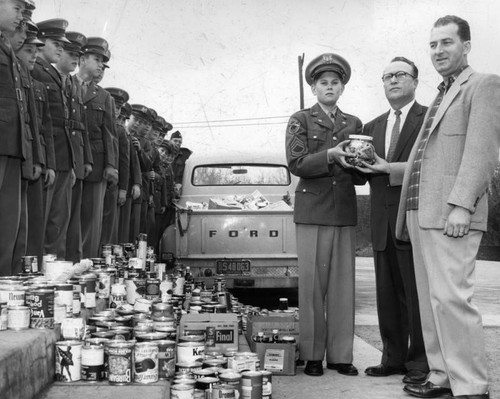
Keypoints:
pixel 394 133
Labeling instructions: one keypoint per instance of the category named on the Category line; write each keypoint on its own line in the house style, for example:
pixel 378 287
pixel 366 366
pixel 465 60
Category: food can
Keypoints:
pixel 68 361
pixel 143 305
pixel 108 334
pixel 163 322
pixel 233 378
pixel 77 296
pixel 136 288
pixel 152 288
pixel 166 359
pixel 220 391
pixel 171 332
pixel 251 384
pixel 29 264
pixel 206 383
pixel 56 268
pixel 120 362
pixel 178 285
pixel 3 315
pixel 146 363
pixel 161 309
pixel 92 362
pixel 180 391
pixel 117 250
pixel 189 352
pixel 187 367
pixel 122 332
pixel 41 304
pixel 197 374
pixel 88 292
pixel 166 289
pixel 18 317
pixel 12 291
pixel 103 342
pixel 63 295
pixel 45 259
pixel 118 295
pixel 103 285
pixel 267 384
pixel 150 336
pixel 73 329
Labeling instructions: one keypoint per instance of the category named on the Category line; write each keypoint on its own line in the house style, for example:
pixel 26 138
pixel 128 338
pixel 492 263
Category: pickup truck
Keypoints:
pixel 252 248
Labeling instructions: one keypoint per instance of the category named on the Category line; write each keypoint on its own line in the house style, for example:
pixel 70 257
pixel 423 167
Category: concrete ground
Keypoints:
pixel 333 385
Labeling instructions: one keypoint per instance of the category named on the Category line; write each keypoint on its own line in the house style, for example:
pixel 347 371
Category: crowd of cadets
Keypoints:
pixel 79 166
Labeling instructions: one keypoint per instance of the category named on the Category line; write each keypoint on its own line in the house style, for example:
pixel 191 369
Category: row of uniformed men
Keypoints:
pixel 73 173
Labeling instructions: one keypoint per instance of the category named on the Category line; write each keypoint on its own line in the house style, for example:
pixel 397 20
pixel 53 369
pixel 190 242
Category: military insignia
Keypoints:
pixel 293 126
pixel 297 147
pixel 328 59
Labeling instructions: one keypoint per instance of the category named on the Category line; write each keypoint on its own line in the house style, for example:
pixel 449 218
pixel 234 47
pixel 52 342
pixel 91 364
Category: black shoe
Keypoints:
pixel 314 368
pixel 481 396
pixel 343 368
pixel 427 390
pixel 415 377
pixel 383 371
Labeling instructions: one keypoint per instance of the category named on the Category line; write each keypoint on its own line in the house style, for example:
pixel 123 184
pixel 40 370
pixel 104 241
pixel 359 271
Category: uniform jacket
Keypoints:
pixel 460 156
pixel 78 126
pixel 135 174
pixel 44 124
pixel 123 157
pixel 59 112
pixel 325 194
pixel 384 198
pixel 146 165
pixel 179 164
pixel 101 129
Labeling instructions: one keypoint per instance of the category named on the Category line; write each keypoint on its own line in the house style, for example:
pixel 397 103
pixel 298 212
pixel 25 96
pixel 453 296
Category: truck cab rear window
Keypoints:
pixel 241 174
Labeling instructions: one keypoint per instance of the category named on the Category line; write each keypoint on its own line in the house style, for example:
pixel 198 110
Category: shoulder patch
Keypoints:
pixel 293 126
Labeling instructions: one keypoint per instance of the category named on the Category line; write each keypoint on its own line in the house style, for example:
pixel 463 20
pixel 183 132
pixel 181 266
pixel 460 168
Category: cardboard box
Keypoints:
pixel 277 358
pixel 224 324
pixel 287 325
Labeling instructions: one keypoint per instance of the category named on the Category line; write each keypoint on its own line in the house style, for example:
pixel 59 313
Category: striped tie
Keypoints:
pixel 394 136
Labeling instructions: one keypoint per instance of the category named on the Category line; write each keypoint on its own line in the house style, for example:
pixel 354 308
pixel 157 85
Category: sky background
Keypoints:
pixel 225 72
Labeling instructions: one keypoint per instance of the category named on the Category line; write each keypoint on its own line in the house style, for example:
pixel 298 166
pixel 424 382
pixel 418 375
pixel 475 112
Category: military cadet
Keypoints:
pixel 58 196
pixel 125 233
pixel 181 158
pixel 325 216
pixel 116 195
pixel 103 143
pixel 79 137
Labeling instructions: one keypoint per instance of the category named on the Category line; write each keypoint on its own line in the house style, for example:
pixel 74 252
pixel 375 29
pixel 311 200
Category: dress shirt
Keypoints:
pixel 390 123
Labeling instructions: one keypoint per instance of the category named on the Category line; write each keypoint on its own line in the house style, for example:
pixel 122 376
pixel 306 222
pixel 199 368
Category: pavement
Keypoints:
pixel 331 385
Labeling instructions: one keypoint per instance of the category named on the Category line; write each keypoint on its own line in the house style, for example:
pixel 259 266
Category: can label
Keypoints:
pixel 166 290
pixel 30 264
pixel 190 352
pixel 92 363
pixel 178 285
pixel 68 361
pixel 222 391
pixel 41 303
pixel 146 363
pixel 73 328
pixel 120 370
pixel 63 296
pixel 166 359
pixel 18 317
pixel 152 288
pixel 104 285
pixel 136 288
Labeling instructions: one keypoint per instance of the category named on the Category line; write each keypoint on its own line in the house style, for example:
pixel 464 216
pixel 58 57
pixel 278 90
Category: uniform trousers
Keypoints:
pixel 451 323
pixel 326 258
pixel 74 240
pixel 92 210
pixel 58 200
pixel 22 234
pixel 36 218
pixel 397 307
pixel 124 221
pixel 110 216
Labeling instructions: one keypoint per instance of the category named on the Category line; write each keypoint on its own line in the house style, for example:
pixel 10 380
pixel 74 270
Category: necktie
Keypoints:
pixel 332 117
pixel 394 136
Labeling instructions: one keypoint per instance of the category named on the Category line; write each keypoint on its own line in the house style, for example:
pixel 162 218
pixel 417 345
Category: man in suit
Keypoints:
pixel 325 216
pixel 394 133
pixel 58 195
pixel 443 210
pixel 103 143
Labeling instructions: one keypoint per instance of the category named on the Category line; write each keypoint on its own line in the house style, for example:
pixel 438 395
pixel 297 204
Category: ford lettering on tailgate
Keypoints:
pixel 232 266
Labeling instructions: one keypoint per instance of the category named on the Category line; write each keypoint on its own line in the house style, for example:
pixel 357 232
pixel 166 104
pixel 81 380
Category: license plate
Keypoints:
pixel 232 266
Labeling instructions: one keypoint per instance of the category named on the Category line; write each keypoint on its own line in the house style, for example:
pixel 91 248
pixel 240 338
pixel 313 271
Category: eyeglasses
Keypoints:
pixel 398 75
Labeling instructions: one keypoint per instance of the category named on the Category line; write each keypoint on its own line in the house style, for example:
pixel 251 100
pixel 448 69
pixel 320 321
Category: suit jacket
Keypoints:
pixel 460 156
pixel 59 112
pixel 325 194
pixel 101 128
pixel 78 133
pixel 384 198
pixel 45 124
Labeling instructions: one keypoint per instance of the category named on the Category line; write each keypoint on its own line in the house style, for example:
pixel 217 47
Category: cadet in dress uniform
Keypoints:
pixel 116 195
pixel 58 196
pixel 180 160
pixel 133 185
pixel 79 138
pixel 325 216
pixel 103 143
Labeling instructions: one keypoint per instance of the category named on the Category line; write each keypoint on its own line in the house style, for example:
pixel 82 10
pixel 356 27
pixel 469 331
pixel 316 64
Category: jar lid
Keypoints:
pixel 360 137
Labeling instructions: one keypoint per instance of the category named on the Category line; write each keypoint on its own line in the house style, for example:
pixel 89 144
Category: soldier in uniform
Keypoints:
pixel 58 196
pixel 79 138
pixel 325 216
pixel 116 195
pixel 103 143
pixel 180 160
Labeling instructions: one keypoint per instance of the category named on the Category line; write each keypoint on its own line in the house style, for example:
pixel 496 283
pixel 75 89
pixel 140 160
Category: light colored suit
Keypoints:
pixel 457 166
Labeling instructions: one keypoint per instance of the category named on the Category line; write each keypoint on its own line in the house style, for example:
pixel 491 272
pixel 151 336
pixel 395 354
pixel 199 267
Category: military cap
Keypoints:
pixel 108 54
pixel 27 14
pixel 31 36
pixel 29 5
pixel 152 115
pixel 167 127
pixel 126 110
pixel 159 123
pixel 53 29
pixel 120 95
pixel 140 110
pixel 167 145
pixel 176 135
pixel 97 45
pixel 77 41
pixel 328 62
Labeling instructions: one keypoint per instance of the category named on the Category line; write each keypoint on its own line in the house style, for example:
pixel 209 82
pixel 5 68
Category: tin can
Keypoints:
pixel 106 249
pixel 170 332
pixel 150 336
pixel 41 304
pixel 18 317
pixel 120 362
pixel 220 308
pixel 188 367
pixel 118 295
pixel 47 258
pixel 197 374
pixel 117 250
pixel 161 309
pixel 88 292
pixel 206 383
pixel 59 314
pixel 73 329
pixel 160 322
pixel 136 288
pixel 29 264
pixel 267 384
pixel 143 305
pixel 220 391
pixel 146 363
pixel 122 332
pixel 251 384
pixel 206 296
pixel 3 315
pixel 108 334
pixel 56 268
pixel 283 304
pixel 166 359
pixel 68 361
pixel 77 297
pixel 12 291
pixel 103 285
pixel 92 362
pixel 178 284
pixel 102 342
pixel 63 296
pixel 180 391
pixel 152 288
pixel 166 289
pixel 189 352
pixel 233 378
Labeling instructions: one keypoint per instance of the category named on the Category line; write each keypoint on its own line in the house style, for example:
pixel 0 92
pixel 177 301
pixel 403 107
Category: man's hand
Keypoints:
pixel 337 154
pixel 122 197
pixel 87 170
pixel 73 177
pixel 110 174
pixel 163 209
pixel 37 171
pixel 458 222
pixel 50 177
pixel 380 166
pixel 136 191
pixel 152 175
pixel 136 143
